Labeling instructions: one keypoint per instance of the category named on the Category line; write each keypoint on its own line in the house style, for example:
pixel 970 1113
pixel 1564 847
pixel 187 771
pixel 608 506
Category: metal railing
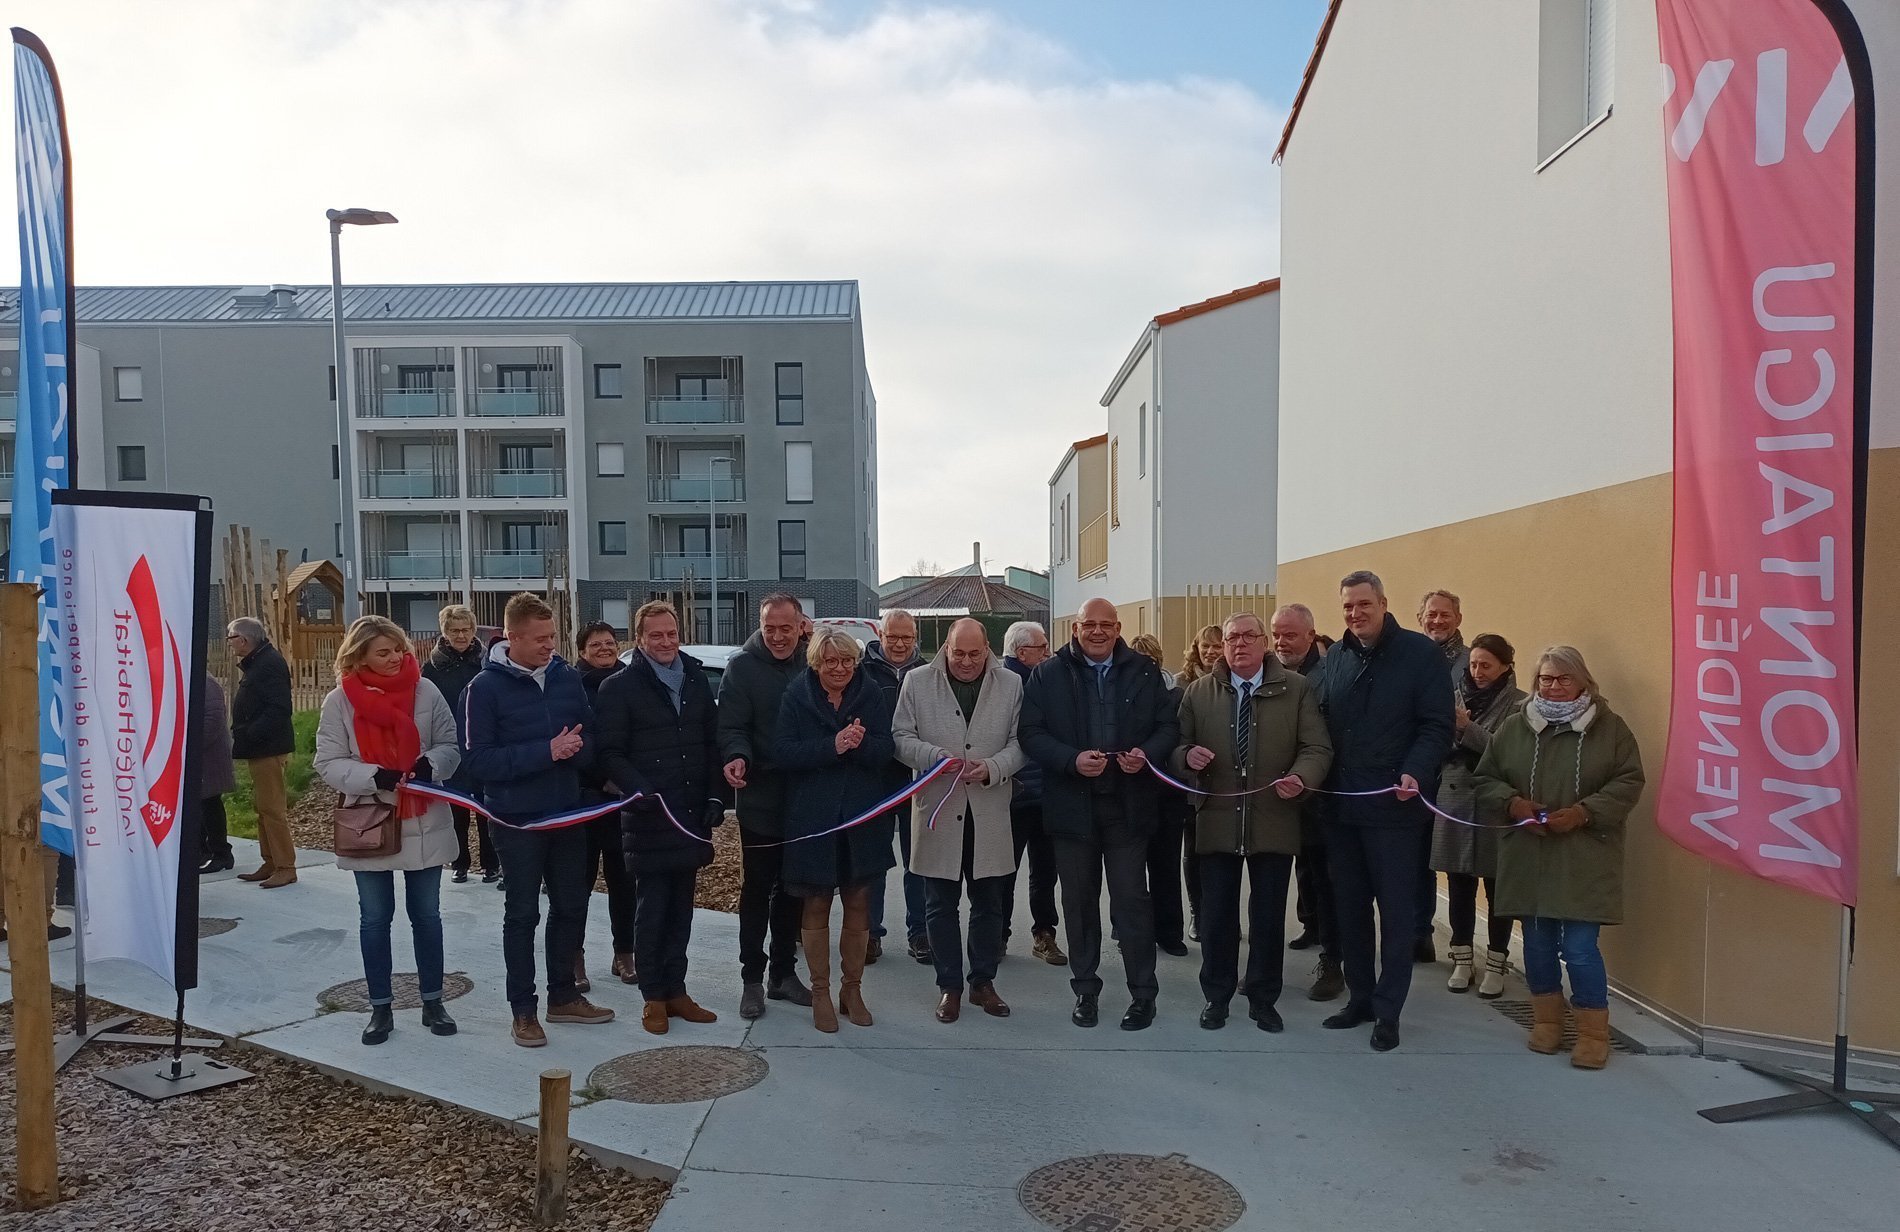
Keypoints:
pixel 695 409
pixel 399 484
pixel 531 564
pixel 530 482
pixel 408 404
pixel 521 403
pixel 405 566
pixel 1091 549
pixel 694 488
pixel 9 406
pixel 673 566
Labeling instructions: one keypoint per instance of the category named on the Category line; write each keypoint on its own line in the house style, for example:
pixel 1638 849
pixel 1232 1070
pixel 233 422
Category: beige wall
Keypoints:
pixel 1721 951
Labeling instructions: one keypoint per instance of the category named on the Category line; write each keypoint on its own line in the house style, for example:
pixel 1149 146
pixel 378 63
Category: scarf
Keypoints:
pixel 1559 712
pixel 386 734
pixel 672 675
pixel 1478 700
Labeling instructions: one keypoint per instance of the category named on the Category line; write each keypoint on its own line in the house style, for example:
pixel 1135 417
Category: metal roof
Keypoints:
pixel 515 301
pixel 964 592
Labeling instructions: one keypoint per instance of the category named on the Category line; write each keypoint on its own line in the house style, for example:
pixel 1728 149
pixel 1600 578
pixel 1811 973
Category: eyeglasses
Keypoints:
pixel 1550 682
pixel 1101 626
pixel 1241 639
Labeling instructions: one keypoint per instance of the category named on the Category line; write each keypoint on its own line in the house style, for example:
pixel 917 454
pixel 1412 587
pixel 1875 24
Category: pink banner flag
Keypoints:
pixel 1767 238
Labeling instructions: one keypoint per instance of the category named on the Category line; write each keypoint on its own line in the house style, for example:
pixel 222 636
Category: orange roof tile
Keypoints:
pixel 1306 79
pixel 1218 302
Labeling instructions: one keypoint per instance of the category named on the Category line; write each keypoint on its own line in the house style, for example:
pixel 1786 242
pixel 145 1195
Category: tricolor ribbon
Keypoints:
pixel 881 807
pixel 1171 781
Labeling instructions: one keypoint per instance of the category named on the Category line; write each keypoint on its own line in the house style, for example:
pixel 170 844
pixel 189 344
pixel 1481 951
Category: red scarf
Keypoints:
pixel 386 732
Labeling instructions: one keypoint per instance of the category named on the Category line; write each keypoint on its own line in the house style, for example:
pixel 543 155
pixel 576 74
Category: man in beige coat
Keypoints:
pixel 964 706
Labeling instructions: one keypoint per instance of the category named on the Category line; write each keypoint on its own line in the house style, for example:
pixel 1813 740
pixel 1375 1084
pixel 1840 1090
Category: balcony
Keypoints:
pixel 405 383
pixel 512 564
pixel 534 482
pixel 423 484
pixel 696 409
pixel 404 566
pixel 1091 549
pixel 519 403
pixel 515 382
pixel 674 566
pixel 694 489
pixel 9 406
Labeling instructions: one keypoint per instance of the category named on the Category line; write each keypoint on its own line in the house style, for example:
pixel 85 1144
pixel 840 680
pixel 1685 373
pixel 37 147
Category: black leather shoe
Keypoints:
pixel 919 947
pixel 459 876
pixel 1141 1013
pixel 1385 1035
pixel 436 1018
pixel 1214 1016
pixel 215 864
pixel 1348 1018
pixel 381 1022
pixel 1267 1018
pixel 1176 948
pixel 1305 941
pixel 1087 1011
pixel 490 877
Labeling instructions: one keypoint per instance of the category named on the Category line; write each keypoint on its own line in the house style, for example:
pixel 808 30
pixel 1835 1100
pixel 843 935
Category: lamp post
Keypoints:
pixel 712 540
pixel 352 598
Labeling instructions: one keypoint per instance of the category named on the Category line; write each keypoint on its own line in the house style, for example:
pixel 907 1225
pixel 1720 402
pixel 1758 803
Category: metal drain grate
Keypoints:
pixel 1130 1193
pixel 679 1075
pixel 214 926
pixel 1520 1013
pixel 353 997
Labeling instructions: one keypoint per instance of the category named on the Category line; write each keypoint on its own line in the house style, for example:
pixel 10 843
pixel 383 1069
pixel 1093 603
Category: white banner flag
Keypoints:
pixel 125 609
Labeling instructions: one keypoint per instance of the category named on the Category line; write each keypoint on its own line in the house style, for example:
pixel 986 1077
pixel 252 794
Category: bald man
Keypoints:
pixel 1095 714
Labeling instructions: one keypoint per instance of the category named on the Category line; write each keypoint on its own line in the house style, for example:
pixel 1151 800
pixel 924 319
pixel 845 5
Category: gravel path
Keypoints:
pixel 291 1149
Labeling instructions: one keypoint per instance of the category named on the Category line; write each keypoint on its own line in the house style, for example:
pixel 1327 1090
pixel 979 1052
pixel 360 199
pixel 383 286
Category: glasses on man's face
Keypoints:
pixel 1037 646
pixel 1097 626
pixel 1553 682
pixel 1241 639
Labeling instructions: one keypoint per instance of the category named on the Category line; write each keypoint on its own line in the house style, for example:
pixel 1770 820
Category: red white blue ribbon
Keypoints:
pixel 1171 781
pixel 881 807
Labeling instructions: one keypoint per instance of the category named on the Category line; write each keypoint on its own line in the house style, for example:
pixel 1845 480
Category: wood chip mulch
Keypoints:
pixel 291 1148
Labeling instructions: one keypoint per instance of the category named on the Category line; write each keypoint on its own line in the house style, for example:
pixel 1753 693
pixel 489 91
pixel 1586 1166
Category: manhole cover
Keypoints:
pixel 1520 1012
pixel 353 997
pixel 681 1075
pixel 1130 1193
pixel 213 926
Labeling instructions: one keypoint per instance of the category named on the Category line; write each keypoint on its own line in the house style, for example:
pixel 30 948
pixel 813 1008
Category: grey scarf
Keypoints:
pixel 1560 712
pixel 672 675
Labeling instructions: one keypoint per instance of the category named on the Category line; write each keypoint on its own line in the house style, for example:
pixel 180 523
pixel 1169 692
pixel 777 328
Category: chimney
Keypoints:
pixel 976 550
pixel 282 298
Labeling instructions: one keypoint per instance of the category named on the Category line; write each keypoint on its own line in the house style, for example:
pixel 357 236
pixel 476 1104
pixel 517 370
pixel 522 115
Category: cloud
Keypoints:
pixel 1013 216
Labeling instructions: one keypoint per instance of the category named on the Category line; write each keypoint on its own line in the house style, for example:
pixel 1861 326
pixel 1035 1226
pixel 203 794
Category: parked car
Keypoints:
pixel 863 628
pixel 712 658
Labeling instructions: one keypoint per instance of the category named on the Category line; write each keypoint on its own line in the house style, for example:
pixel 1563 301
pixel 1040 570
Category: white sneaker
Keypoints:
pixel 1496 963
pixel 1461 969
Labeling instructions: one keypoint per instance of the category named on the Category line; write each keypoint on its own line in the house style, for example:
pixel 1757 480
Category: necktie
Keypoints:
pixel 1101 678
pixel 1243 726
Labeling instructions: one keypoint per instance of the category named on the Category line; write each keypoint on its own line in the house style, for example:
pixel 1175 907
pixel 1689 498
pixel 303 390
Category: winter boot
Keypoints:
pixel 1547 1009
pixel 824 1015
pixel 1496 963
pixel 1593 1039
pixel 851 946
pixel 1460 980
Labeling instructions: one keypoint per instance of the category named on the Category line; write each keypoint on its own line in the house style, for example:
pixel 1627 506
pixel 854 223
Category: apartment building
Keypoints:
pixel 1169 512
pixel 608 442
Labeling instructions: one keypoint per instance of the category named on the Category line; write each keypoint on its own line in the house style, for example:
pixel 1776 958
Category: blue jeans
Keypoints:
pixel 376 908
pixel 1575 942
pixel 915 909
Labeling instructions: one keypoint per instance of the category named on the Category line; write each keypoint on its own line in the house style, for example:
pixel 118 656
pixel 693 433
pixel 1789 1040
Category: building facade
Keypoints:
pixel 1483 381
pixel 606 442
pixel 1169 513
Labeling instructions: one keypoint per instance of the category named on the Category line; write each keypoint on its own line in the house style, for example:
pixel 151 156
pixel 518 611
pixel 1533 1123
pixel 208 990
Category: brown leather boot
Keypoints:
pixel 653 1017
pixel 581 982
pixel 623 967
pixel 684 1007
pixel 1593 1039
pixel 817 943
pixel 851 946
pixel 1547 1011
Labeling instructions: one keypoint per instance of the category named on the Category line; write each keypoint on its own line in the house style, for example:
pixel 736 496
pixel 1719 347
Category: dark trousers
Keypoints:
pixel 1267 877
pixel 1080 866
pixel 1164 873
pixel 1426 906
pixel 490 861
pixel 1376 866
pixel 915 908
pixel 529 860
pixel 1031 839
pixel 212 838
pixel 1462 891
pixel 662 928
pixel 989 918
pixel 606 858
pixel 1191 871
pixel 1316 907
pixel 765 906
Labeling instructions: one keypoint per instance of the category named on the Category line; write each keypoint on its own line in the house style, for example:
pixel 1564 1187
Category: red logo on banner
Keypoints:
pixel 165 672
pixel 1761 769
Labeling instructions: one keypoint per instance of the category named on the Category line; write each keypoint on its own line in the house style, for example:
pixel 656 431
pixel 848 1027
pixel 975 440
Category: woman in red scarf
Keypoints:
pixel 384 724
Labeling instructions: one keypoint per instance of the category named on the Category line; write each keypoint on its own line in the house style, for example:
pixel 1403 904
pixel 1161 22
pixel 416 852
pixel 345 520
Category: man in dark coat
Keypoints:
pixel 1094 716
pixel 530 736
pixel 749 695
pixel 1296 646
pixel 453 664
pixel 887 661
pixel 659 738
pixel 263 736
pixel 1025 646
pixel 1382 690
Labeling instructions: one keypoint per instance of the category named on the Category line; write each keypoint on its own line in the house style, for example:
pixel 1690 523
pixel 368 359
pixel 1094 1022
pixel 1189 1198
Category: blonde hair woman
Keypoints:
pixel 382 725
pixel 1203 653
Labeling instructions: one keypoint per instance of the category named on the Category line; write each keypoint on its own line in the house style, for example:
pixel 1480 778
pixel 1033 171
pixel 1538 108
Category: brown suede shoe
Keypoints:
pixel 653 1017
pixel 262 872
pixel 984 997
pixel 623 968
pixel 949 1006
pixel 684 1007
pixel 528 1032
pixel 1047 950
pixel 279 879
pixel 580 1011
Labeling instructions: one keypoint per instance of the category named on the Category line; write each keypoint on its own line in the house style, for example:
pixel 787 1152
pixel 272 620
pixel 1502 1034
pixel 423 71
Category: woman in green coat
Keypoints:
pixel 1564 772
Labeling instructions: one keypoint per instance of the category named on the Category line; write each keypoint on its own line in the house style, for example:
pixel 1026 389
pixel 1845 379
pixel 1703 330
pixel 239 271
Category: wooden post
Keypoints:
pixel 25 879
pixel 550 1160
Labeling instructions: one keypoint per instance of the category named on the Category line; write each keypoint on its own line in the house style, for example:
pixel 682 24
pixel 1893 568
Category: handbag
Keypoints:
pixel 366 828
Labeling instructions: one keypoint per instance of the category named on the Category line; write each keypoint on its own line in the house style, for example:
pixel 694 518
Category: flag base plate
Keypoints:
pixel 1815 1093
pixel 154 1080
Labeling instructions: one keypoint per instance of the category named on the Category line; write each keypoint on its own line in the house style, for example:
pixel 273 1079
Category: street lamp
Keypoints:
pixel 712 538
pixel 352 600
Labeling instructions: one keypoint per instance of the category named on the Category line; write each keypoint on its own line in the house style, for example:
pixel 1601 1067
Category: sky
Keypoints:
pixel 1018 187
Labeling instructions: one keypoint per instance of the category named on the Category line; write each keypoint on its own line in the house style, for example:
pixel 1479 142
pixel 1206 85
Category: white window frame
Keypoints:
pixel 800 473
pixel 605 450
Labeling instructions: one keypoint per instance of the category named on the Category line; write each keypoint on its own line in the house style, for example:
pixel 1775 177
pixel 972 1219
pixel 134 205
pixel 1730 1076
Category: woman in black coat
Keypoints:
pixel 834 743
pixel 657 729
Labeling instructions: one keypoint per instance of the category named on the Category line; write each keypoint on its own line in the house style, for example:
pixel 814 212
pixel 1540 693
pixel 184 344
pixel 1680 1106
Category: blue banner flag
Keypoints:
pixel 41 457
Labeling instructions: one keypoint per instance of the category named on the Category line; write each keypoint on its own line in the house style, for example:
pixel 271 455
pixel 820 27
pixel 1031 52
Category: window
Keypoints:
pixel 700 386
pixel 132 464
pixel 332 382
pixel 339 539
pixel 1141 441
pixel 128 384
pixel 610 458
pixel 425 378
pixel 607 381
pixel 798 477
pixel 336 464
pixel 1576 71
pixel 613 538
pixel 619 614
pixel 791 549
pixel 791 393
pixel 808 605
pixel 1115 482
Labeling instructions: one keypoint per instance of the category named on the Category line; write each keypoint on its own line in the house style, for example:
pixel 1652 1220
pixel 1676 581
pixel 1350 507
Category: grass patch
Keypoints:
pixel 240 809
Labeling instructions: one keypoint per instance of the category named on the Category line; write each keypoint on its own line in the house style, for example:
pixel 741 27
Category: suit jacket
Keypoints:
pixel 930 725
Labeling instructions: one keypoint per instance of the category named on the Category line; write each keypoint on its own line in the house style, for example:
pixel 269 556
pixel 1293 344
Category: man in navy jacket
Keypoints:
pixel 526 727
pixel 1382 690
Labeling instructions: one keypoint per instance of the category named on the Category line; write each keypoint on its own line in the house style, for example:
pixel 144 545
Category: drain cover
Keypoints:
pixel 213 925
pixel 1520 1012
pixel 353 997
pixel 680 1075
pixel 1130 1193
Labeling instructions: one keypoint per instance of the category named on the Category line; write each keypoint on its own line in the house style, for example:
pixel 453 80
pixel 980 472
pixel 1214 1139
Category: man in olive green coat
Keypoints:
pixel 1249 726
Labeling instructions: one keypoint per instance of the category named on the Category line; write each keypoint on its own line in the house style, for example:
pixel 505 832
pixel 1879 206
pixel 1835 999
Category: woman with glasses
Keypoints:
pixel 1565 772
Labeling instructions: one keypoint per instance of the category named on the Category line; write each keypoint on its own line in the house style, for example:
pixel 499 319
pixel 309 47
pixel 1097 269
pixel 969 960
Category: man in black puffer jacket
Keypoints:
pixel 1382 690
pixel 749 695
pixel 659 737
pixel 1095 715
